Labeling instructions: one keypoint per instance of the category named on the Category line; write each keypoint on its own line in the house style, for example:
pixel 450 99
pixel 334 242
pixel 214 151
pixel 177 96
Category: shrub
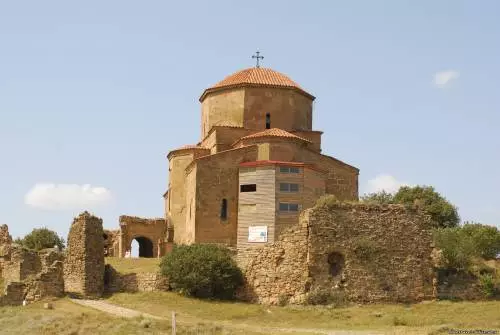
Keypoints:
pixel 486 239
pixel 202 270
pixel 460 245
pixel 365 249
pixel 381 197
pixel 457 249
pixel 41 238
pixel 326 297
pixel 487 284
pixel 327 200
pixel 399 321
pixel 283 300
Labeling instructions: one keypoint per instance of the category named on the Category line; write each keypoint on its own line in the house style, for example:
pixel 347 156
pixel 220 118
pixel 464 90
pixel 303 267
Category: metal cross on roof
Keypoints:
pixel 258 57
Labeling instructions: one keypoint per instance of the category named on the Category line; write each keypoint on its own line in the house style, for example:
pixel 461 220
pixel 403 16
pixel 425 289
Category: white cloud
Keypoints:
pixel 384 183
pixel 443 78
pixel 66 196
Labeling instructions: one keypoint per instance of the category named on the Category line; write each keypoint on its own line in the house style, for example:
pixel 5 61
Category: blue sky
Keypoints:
pixel 97 92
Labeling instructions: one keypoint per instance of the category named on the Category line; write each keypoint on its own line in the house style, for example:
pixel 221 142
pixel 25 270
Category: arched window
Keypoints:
pixel 268 120
pixel 223 209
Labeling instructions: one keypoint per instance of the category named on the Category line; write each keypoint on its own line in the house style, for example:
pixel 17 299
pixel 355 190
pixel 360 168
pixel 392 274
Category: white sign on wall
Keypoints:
pixel 257 234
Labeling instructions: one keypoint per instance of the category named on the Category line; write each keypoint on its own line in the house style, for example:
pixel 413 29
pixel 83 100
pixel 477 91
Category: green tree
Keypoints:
pixel 442 212
pixel 486 239
pixel 458 248
pixel 460 245
pixel 202 270
pixel 41 238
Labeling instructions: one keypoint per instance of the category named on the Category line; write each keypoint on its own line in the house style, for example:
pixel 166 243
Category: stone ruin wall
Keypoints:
pixel 154 230
pixel 27 274
pixel 84 263
pixel 369 253
pixel 134 282
pixel 111 243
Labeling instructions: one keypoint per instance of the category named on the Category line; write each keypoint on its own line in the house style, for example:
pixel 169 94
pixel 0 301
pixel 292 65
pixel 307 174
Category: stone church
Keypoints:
pixel 257 165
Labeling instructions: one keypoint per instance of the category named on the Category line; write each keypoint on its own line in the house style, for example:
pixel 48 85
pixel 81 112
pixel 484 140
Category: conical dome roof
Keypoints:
pixel 256 76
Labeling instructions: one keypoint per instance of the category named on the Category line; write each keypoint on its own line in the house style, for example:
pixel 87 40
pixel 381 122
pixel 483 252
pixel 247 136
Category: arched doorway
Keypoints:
pixel 145 246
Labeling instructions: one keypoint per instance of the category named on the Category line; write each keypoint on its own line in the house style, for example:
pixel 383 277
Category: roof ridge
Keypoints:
pixel 274 132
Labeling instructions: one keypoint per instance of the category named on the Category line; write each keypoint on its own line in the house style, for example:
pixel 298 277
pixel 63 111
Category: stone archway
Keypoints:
pixel 146 246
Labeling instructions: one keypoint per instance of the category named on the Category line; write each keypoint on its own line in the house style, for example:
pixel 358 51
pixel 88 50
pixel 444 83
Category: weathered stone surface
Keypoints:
pixel 458 286
pixel 48 283
pixel 150 233
pixel 134 282
pixel 19 263
pixel 370 253
pixel 84 263
pixel 14 294
pixel 30 275
pixel 111 243
pixel 5 237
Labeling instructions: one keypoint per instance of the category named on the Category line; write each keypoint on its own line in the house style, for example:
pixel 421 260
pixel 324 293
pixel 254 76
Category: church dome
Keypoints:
pixel 256 77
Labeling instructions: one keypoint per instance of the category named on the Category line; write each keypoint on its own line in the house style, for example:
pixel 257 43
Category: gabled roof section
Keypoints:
pixel 186 148
pixel 275 132
pixel 256 76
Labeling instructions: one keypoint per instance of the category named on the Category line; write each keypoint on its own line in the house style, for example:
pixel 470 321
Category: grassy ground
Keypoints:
pixel 423 318
pixel 68 318
pixel 134 265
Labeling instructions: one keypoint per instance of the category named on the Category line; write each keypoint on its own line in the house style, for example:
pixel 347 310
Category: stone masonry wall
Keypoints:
pixel 134 282
pixel 5 237
pixel 48 283
pixel 19 263
pixel 31 275
pixel 84 263
pixel 155 230
pixel 369 253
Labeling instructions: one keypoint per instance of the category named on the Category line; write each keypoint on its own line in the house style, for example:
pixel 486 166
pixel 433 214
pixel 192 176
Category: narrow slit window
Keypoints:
pixel 223 209
pixel 268 120
pixel 248 188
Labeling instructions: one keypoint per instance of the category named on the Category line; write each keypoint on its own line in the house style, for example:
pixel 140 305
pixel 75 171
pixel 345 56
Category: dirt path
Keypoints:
pixel 114 309
pixel 131 313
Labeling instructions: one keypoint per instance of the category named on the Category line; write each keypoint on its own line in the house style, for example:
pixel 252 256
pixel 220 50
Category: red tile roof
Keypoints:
pixel 275 132
pixel 256 76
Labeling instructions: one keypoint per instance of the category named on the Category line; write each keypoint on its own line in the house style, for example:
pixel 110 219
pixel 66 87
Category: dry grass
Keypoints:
pixel 68 318
pixel 134 265
pixel 421 318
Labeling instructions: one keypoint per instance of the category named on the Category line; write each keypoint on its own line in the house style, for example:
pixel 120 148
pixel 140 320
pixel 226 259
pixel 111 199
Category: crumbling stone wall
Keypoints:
pixel 5 237
pixel 369 253
pixel 48 283
pixel 154 230
pixel 454 285
pixel 84 263
pixel 111 243
pixel 30 275
pixel 134 282
pixel 14 294
pixel 19 263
